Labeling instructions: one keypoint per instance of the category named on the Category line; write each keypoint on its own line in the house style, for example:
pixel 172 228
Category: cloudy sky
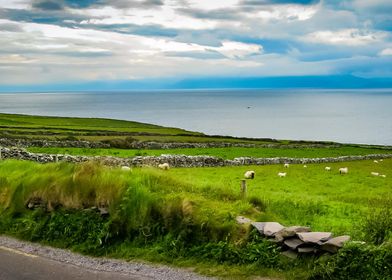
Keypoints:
pixel 62 41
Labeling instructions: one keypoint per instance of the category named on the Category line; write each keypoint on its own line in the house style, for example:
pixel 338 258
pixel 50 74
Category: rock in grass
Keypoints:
pixel 307 250
pixel 259 226
pixel 334 244
pixel 290 232
pixel 293 243
pixel 103 211
pixel 271 228
pixel 314 237
pixel 243 220
pixel 290 254
pixel 35 202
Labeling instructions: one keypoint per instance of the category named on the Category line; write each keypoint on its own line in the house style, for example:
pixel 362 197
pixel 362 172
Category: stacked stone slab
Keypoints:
pixel 296 240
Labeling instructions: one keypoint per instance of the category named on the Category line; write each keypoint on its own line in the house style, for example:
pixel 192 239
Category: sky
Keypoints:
pixel 68 41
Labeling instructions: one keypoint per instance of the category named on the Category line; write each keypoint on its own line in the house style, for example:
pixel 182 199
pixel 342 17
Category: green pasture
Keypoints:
pixel 186 216
pixel 226 153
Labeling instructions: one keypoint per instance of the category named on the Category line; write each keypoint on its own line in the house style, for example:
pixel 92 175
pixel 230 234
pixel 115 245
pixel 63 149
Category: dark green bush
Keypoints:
pixel 377 227
pixel 356 261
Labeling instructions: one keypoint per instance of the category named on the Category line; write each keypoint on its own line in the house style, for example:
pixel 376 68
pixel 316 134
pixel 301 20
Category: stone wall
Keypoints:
pixel 24 143
pixel 8 142
pixel 176 160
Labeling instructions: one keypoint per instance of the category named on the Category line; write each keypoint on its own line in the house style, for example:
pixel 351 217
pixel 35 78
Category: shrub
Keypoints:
pixel 377 227
pixel 356 261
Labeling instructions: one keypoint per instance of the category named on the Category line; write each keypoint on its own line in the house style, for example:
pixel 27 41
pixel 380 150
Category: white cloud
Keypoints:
pixel 387 51
pixel 350 37
pixel 288 12
pixel 237 49
pixel 165 16
pixel 15 59
pixel 15 4
pixel 212 5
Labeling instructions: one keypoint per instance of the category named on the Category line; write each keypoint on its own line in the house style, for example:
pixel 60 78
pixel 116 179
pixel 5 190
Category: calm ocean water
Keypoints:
pixel 349 116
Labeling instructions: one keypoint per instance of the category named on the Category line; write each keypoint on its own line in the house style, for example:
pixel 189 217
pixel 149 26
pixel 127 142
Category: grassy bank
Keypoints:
pixel 186 216
pixel 226 153
pixel 97 129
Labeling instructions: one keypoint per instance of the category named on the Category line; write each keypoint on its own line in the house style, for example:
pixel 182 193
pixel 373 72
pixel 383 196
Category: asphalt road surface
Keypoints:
pixel 17 265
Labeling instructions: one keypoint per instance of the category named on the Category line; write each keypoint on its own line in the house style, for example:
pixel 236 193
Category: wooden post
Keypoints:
pixel 0 152
pixel 243 187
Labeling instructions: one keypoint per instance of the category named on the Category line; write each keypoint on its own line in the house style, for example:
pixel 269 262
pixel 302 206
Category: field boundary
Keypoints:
pixel 176 160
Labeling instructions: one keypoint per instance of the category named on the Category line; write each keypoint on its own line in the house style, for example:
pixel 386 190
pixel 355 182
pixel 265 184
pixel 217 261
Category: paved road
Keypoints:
pixel 17 265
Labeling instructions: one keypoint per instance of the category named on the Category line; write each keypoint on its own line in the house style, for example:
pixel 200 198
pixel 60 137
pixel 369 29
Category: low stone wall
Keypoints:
pixel 24 143
pixel 7 142
pixel 175 160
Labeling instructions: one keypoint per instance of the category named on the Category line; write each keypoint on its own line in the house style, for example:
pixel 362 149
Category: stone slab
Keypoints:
pixel 259 226
pixel 334 244
pixel 270 228
pixel 290 254
pixel 314 237
pixel 290 232
pixel 293 243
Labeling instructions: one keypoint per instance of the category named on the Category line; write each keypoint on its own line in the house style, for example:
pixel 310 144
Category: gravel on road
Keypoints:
pixel 151 271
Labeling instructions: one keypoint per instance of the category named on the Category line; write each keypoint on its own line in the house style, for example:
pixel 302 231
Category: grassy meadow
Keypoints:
pixel 186 216
pixel 226 153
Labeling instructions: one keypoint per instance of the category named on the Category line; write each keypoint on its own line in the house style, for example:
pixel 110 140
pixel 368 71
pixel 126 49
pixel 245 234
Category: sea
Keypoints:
pixel 346 116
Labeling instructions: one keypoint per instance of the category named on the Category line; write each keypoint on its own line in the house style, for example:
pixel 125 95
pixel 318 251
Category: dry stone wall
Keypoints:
pixel 24 143
pixel 175 160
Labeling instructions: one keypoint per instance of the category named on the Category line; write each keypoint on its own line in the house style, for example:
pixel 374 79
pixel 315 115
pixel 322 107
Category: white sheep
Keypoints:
pixel 328 168
pixel 249 174
pixel 375 173
pixel 383 175
pixel 381 160
pixel 343 170
pixel 286 165
pixel 305 166
pixel 282 174
pixel 164 166
pixel 375 161
pixel 125 168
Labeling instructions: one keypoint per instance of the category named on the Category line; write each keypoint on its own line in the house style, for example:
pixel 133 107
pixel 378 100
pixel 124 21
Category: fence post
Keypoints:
pixel 1 148
pixel 243 188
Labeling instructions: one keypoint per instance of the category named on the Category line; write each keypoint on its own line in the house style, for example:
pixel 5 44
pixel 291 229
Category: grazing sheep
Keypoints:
pixel 125 168
pixel 305 166
pixel 375 161
pixel 282 174
pixel 286 165
pixel 249 174
pixel 375 173
pixel 328 168
pixel 381 160
pixel 383 175
pixel 343 170
pixel 164 166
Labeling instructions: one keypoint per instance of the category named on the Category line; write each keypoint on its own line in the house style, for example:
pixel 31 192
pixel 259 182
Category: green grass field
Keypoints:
pixel 205 201
pixel 226 153
pixel 97 129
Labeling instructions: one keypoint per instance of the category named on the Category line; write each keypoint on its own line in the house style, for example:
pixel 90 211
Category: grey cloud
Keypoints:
pixel 47 5
pixel 10 27
pixel 225 14
pixel 197 55
pixel 272 2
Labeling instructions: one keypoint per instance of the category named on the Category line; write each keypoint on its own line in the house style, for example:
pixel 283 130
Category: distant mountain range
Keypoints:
pixel 327 82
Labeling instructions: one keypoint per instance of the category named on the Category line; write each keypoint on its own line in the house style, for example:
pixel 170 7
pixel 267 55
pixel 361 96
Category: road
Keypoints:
pixel 17 265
